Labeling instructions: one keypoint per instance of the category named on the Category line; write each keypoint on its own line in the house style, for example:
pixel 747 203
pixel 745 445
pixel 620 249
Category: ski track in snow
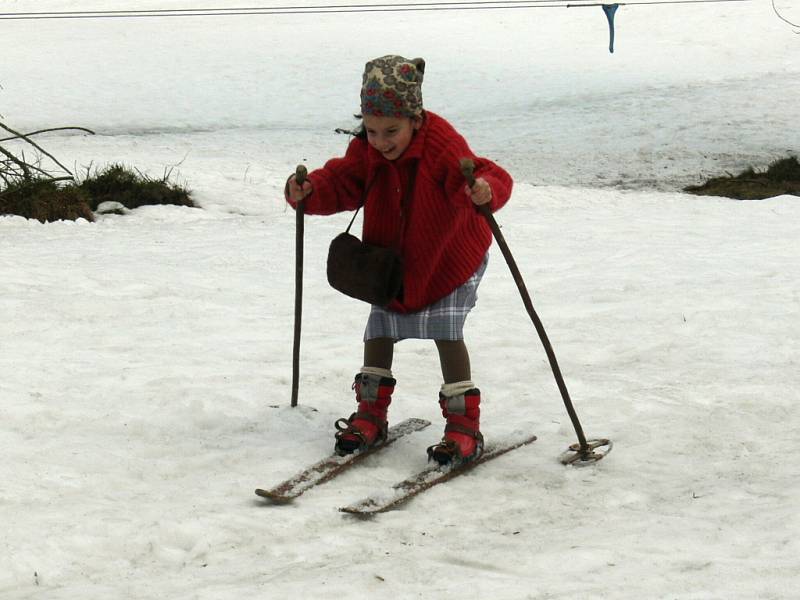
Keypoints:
pixel 145 360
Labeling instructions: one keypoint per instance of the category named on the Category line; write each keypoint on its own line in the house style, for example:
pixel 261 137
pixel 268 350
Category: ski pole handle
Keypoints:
pixel 300 175
pixel 468 170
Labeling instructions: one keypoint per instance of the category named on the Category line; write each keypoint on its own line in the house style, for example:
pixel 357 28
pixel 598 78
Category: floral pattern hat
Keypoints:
pixel 392 87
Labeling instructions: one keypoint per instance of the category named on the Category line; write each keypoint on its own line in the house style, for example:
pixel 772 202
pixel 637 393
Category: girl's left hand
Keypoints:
pixel 481 192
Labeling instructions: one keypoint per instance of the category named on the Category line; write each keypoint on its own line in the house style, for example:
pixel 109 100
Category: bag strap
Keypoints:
pixel 355 214
pixel 363 202
pixel 412 177
pixel 366 188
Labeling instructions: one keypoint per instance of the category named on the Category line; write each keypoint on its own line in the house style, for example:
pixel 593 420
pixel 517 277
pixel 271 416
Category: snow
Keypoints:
pixel 145 359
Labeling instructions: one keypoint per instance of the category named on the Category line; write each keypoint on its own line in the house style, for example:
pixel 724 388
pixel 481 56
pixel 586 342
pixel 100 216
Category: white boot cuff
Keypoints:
pixel 377 371
pixel 454 389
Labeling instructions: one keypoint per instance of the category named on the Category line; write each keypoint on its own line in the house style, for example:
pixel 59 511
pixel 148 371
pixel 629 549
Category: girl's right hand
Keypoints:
pixel 296 192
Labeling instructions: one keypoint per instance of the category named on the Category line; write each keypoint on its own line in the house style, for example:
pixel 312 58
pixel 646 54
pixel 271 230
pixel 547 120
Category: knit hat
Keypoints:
pixel 392 87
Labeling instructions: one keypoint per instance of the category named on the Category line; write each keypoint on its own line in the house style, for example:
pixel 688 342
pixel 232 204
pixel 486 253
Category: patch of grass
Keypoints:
pixel 781 177
pixel 45 200
pixel 132 189
pixel 48 199
pixel 786 169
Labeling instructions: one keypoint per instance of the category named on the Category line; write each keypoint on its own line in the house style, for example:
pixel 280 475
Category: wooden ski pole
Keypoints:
pixel 301 173
pixel 583 452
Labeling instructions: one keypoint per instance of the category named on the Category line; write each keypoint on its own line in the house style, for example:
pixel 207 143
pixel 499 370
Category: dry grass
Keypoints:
pixel 132 189
pixel 45 200
pixel 782 177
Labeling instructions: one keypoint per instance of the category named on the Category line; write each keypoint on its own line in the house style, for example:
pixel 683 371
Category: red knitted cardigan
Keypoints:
pixel 445 238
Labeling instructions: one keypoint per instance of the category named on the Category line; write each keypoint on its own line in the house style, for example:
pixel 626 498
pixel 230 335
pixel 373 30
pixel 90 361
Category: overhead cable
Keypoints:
pixel 332 8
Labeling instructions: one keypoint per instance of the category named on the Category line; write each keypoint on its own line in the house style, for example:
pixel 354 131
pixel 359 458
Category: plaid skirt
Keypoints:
pixel 442 320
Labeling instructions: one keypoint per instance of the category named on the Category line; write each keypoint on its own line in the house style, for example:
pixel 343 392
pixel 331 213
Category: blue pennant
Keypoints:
pixel 610 9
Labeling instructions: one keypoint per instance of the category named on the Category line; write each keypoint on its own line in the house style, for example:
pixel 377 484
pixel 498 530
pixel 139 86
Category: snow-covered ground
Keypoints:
pixel 145 360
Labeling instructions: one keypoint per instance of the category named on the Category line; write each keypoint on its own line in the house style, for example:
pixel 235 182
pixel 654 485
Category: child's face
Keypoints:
pixel 390 135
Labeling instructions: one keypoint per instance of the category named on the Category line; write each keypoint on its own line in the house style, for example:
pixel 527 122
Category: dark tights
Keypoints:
pixel 453 357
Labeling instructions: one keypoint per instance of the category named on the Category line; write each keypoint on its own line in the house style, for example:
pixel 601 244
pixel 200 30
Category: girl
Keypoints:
pixel 403 166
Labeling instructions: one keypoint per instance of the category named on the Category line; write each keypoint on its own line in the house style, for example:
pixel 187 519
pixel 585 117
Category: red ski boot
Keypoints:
pixel 368 425
pixel 462 441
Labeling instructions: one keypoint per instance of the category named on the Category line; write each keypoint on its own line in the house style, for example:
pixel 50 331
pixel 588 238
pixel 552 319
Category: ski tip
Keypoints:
pixel 275 498
pixel 368 507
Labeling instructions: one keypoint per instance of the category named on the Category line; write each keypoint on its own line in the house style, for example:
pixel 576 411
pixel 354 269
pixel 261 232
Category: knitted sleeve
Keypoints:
pixel 448 172
pixel 338 186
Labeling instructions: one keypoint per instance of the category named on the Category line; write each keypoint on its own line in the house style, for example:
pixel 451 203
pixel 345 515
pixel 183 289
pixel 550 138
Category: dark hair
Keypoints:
pixel 359 132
